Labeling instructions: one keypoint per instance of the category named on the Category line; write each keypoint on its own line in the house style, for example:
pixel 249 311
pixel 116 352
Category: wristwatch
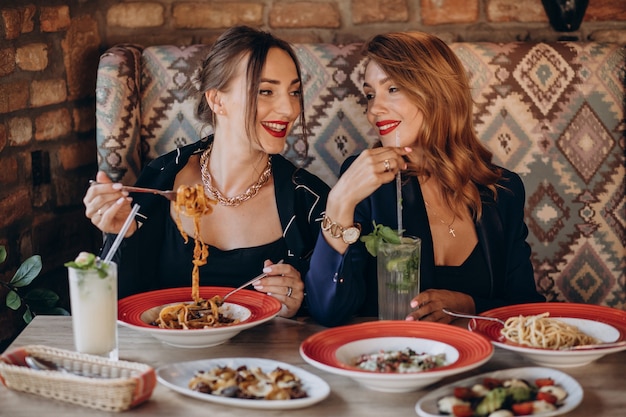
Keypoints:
pixel 348 234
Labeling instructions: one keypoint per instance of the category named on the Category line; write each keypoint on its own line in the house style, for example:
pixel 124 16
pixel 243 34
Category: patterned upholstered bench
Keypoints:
pixel 554 113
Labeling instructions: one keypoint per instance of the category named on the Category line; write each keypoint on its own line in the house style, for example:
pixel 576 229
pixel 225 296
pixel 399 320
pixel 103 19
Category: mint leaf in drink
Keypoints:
pixel 86 261
pixel 379 234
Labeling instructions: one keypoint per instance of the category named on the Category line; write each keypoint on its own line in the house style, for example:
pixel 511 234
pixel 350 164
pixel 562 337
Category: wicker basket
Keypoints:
pixel 121 384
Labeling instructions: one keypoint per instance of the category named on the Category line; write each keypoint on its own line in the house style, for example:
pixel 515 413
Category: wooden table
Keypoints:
pixel 603 381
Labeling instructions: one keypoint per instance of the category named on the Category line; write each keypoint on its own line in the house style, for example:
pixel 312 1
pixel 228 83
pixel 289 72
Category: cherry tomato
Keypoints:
pixel 542 382
pixel 463 393
pixel 491 383
pixel 462 410
pixel 547 397
pixel 523 409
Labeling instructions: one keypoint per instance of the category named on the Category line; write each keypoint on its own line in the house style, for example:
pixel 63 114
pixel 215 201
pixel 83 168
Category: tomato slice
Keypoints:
pixel 462 410
pixel 523 409
pixel 463 393
pixel 491 383
pixel 543 382
pixel 547 397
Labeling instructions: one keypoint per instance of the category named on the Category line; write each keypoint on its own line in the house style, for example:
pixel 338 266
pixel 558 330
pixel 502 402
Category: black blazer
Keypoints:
pixel 300 196
pixel 339 287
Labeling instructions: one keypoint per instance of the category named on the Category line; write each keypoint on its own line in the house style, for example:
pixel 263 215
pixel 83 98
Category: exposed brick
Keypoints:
pixel 7 61
pixel 77 154
pixel 14 206
pixel 13 96
pixel 516 11
pixel 599 10
pixel 46 92
pixel 20 131
pixel 54 19
pixel 438 12
pixel 32 57
pixel 8 173
pixel 3 137
pixel 136 15
pixel 304 14
pixel 18 21
pixel 216 15
pixel 372 11
pixel 53 125
pixel 80 55
pixel 84 119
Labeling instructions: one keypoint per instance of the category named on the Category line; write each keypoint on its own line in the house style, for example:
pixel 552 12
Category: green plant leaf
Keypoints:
pixel 27 272
pixel 3 253
pixel 41 296
pixel 27 316
pixel 13 300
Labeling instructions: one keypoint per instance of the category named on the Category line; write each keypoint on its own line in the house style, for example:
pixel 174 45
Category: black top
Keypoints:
pixel 471 277
pixel 224 268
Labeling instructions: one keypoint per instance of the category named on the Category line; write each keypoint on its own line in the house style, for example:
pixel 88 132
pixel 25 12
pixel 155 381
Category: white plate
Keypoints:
pixel 176 376
pixel 604 323
pixel 427 405
pixel 334 350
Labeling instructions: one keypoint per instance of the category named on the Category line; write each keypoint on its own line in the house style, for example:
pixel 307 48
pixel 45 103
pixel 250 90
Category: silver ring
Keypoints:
pixel 387 165
pixel 289 291
pixel 99 212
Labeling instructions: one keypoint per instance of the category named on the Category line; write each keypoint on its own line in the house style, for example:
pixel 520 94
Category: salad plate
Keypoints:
pixel 604 323
pixel 427 405
pixel 250 307
pixel 176 376
pixel 335 350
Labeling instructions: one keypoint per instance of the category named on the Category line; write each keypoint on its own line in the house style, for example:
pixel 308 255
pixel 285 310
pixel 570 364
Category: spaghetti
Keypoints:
pixel 193 202
pixel 202 314
pixel 541 331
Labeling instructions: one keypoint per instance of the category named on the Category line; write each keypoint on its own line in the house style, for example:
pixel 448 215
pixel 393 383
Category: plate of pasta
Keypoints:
pixel 170 316
pixel 545 333
pixel 245 382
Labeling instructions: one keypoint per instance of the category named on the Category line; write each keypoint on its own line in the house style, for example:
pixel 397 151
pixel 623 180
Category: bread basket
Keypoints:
pixel 112 386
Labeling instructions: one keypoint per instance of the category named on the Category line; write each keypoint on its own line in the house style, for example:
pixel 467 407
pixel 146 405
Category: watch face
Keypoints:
pixel 351 234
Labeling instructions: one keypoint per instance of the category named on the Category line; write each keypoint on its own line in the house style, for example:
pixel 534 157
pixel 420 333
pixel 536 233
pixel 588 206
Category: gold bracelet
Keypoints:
pixel 348 234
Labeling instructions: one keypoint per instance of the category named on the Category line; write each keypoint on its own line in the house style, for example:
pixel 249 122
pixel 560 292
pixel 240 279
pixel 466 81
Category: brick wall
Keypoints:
pixel 49 53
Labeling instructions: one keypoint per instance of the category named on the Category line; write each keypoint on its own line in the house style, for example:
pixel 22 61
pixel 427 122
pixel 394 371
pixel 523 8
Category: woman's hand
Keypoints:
pixel 282 282
pixel 429 304
pixel 371 169
pixel 107 206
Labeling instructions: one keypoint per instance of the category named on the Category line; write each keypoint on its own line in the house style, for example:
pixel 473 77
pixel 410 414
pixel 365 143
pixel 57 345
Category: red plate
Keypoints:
pixel 472 349
pixel 611 316
pixel 261 305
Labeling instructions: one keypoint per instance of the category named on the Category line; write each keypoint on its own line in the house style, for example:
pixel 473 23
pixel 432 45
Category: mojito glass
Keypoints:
pixel 398 267
pixel 93 300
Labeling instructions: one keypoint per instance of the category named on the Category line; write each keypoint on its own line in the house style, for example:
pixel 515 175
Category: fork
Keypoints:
pixel 169 194
pixel 472 316
pixel 263 275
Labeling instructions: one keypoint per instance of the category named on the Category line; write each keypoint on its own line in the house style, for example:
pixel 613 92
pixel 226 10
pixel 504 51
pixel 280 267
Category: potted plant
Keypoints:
pixel 24 298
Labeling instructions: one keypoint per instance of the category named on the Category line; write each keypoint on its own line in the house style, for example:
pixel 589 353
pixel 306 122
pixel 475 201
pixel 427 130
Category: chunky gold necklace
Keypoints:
pixel 238 199
pixel 451 231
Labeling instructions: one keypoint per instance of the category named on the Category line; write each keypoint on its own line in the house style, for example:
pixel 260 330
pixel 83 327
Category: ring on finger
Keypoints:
pixel 99 212
pixel 289 291
pixel 387 165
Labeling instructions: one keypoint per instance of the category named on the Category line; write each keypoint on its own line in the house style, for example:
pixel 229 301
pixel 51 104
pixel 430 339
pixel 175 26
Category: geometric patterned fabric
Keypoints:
pixel 552 112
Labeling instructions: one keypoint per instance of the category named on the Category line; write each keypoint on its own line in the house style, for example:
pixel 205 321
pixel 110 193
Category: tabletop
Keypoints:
pixel 279 339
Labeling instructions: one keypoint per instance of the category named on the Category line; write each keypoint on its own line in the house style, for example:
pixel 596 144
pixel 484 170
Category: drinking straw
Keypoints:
pixel 399 192
pixel 120 235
